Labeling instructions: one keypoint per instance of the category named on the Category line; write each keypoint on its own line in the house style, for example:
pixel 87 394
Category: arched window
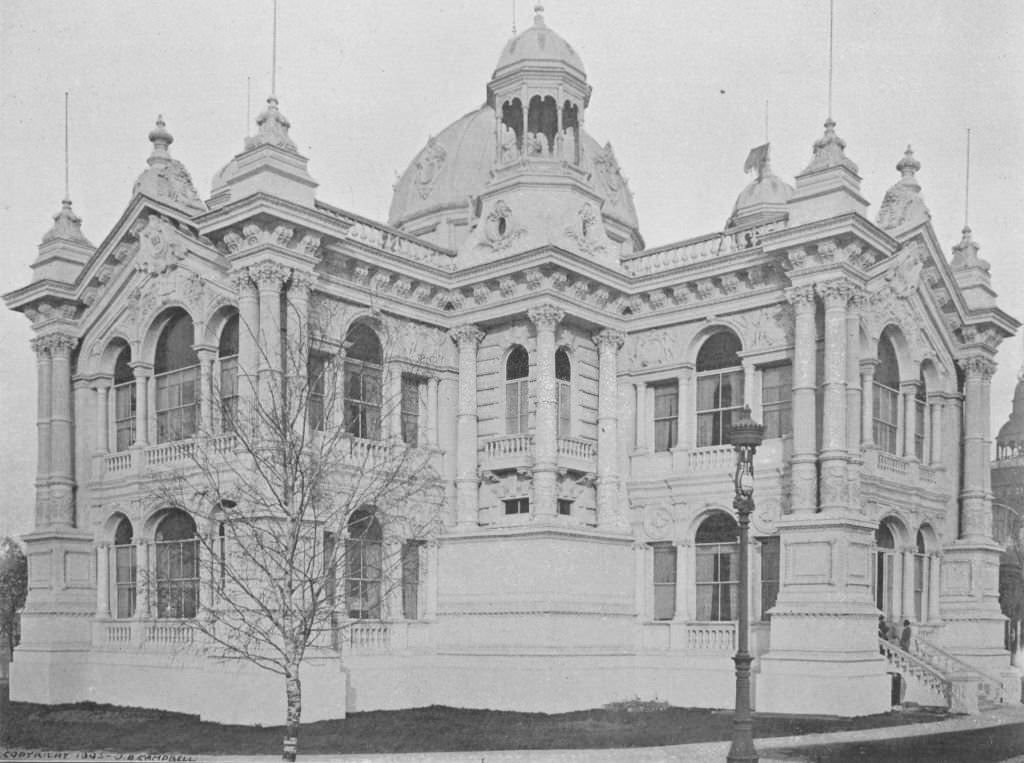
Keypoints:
pixel 885 571
pixel 176 370
pixel 922 578
pixel 227 354
pixel 517 374
pixel 512 119
pixel 124 401
pixel 719 387
pixel 542 124
pixel 920 419
pixel 886 399
pixel 571 132
pixel 717 546
pixel 125 570
pixel 563 377
pixel 363 565
pixel 177 566
pixel 364 360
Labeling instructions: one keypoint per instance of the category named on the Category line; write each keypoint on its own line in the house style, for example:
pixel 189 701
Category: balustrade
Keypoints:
pixel 367 637
pixel 711 637
pixel 118 462
pixel 711 458
pixel 698 249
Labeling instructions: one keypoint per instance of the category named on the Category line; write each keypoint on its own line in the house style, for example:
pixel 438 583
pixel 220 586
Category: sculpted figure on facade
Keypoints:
pixel 160 245
pixel 653 348
pixel 428 166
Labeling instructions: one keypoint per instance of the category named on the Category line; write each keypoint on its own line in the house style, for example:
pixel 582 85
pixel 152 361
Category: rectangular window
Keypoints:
pixel 664 581
pixel 719 400
pixel 885 425
pixel 517 413
pixel 411 579
pixel 564 409
pixel 666 415
pixel 564 507
pixel 228 392
pixel 177 578
pixel 125 580
pixel 411 409
pixel 363 561
pixel 777 400
pixel 716 581
pixel 362 400
pixel 124 415
pixel 769 574
pixel 316 370
pixel 517 505
pixel 177 404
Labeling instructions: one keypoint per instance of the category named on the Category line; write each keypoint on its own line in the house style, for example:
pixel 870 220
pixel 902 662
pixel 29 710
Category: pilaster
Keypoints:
pixel 608 512
pixel 468 338
pixel 835 294
pixel 546 318
pixel 804 459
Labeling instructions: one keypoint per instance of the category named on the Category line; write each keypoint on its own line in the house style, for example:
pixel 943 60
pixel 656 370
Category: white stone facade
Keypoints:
pixel 574 392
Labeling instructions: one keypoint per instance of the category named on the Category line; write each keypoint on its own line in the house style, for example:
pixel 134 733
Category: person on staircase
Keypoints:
pixel 905 636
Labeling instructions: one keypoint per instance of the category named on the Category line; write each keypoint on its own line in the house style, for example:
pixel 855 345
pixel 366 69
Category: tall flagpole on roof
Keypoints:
pixel 273 62
pixel 67 129
pixel 831 20
pixel 967 179
pixel 513 18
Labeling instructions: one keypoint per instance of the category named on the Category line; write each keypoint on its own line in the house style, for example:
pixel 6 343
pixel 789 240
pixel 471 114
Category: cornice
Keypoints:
pixel 849 223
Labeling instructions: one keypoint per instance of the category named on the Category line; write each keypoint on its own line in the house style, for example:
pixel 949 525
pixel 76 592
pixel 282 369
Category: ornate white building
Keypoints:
pixel 574 389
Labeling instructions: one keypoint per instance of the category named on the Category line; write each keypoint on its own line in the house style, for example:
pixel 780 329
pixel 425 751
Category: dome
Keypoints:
pixel 764 198
pixel 457 164
pixel 538 45
pixel 1011 434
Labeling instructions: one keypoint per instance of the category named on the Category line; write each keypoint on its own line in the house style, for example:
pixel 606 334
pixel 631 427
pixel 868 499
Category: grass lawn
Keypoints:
pixel 429 729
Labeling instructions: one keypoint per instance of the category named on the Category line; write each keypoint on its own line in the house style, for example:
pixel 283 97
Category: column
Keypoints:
pixel 143 373
pixel 908 391
pixel 430 579
pixel 608 514
pixel 431 422
pixel 641 416
pixel 684 579
pixel 248 337
pixel 101 393
pixel 296 354
pixel 143 581
pixel 546 318
pixel 61 478
pixel 269 278
pixel 835 295
pixel 867 389
pixel 206 355
pixel 393 400
pixel 687 411
pixel 908 585
pixel 935 459
pixel 976 518
pixel 934 587
pixel 103 580
pixel 751 391
pixel 804 468
pixel 853 399
pixel 44 379
pixel 392 594
pixel 468 338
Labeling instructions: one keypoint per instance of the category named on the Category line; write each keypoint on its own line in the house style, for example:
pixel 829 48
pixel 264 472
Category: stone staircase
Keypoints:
pixel 963 687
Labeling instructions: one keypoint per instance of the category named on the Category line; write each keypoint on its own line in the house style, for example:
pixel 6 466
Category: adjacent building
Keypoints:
pixel 573 387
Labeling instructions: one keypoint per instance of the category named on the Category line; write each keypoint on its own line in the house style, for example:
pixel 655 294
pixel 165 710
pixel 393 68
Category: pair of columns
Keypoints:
pixel 903 582
pixel 55 480
pixel 545 478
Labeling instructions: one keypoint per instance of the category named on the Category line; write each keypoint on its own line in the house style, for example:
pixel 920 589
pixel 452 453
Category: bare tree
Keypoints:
pixel 296 485
pixel 13 589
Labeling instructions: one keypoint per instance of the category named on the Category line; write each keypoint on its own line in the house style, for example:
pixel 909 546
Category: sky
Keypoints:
pixel 680 89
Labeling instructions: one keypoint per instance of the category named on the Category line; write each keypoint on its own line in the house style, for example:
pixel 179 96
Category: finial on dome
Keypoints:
pixel 161 139
pixel 538 14
pixel 829 151
pixel 908 165
pixel 902 205
pixel 965 254
pixel 273 128
pixel 66 225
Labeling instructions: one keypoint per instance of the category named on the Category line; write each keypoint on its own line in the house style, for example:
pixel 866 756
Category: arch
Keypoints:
pixel 512 118
pixel 155 328
pixel 716 544
pixel 720 386
pixel 517 392
pixel 125 569
pixel 108 356
pixel 563 380
pixel 363 564
pixel 176 379
pixel 227 373
pixel 571 132
pixel 176 565
pixel 885 398
pixel 890 536
pixel 542 120
pixel 124 400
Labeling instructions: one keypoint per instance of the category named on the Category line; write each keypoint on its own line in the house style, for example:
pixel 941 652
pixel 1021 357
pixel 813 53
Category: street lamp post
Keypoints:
pixel 745 436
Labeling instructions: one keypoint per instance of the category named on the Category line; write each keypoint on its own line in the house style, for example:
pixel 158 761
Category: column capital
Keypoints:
pixel 835 293
pixel 977 367
pixel 101 382
pixel 54 344
pixel 242 282
pixel 546 316
pixel 609 339
pixel 909 386
pixel 801 297
pixel 466 334
pixel 868 366
pixel 269 276
pixel 302 279
pixel 205 352
pixel 141 369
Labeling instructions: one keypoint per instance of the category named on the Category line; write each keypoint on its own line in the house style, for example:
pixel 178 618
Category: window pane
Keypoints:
pixel 664 601
pixel 664 564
